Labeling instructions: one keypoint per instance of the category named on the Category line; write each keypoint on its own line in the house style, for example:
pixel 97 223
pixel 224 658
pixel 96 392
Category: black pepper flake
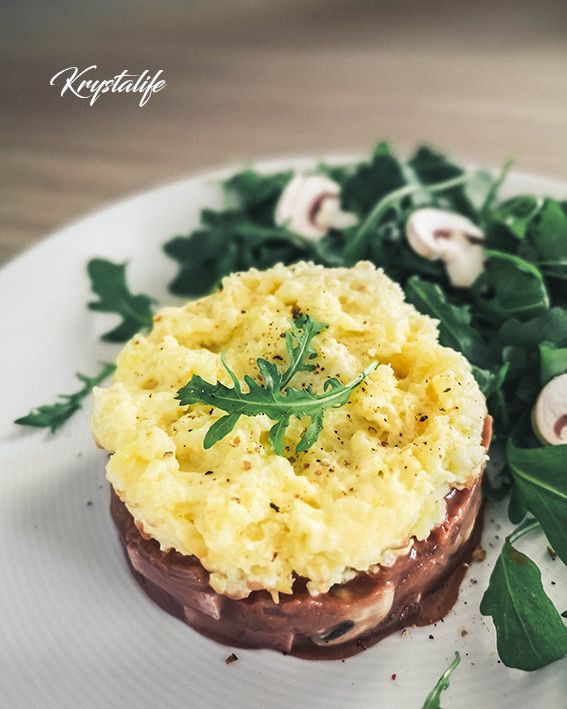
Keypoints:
pixel 209 472
pixel 432 637
pixel 230 659
pixel 446 390
pixel 274 507
pixel 89 503
pixel 423 418
pixel 393 677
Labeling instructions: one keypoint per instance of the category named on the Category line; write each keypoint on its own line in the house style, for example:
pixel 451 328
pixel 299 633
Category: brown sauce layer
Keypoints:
pixel 418 589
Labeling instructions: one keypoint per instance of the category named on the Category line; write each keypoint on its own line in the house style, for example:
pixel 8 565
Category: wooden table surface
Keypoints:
pixel 252 78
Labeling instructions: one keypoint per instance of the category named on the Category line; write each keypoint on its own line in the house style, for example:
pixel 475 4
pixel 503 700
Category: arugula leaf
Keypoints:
pixel 53 416
pixel 530 632
pixel 229 242
pixel 372 181
pixel 516 508
pixel 431 167
pixel 271 397
pixel 546 239
pixel 539 474
pixel 433 699
pixel 205 255
pixel 515 215
pixel 534 229
pixel 258 194
pixel 510 287
pixel 552 362
pixel 108 281
pixel 455 329
pixel 490 382
pixel 550 326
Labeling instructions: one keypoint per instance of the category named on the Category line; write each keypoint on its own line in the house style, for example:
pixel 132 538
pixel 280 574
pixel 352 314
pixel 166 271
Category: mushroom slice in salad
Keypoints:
pixel 310 206
pixel 437 234
pixel 549 415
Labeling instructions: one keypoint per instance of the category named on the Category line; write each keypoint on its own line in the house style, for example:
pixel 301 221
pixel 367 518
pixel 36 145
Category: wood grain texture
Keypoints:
pixel 249 79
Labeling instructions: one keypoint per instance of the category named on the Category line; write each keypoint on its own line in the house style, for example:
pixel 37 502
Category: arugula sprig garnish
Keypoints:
pixel 273 397
pixel 433 699
pixel 108 281
pixel 53 416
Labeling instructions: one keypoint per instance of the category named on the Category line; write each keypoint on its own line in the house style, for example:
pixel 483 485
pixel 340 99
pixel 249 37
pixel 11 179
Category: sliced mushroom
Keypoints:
pixel 465 263
pixel 331 216
pixel 549 415
pixel 437 234
pixel 310 205
pixel 362 618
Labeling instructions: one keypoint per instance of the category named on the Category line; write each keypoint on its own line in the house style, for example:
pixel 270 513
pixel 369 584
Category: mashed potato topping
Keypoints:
pixel 374 480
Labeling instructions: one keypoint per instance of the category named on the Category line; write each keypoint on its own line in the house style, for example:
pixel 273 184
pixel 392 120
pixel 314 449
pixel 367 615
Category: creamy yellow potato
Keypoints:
pixel 374 480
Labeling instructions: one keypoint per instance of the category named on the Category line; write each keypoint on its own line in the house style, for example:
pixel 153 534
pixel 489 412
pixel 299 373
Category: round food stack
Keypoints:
pixel 324 549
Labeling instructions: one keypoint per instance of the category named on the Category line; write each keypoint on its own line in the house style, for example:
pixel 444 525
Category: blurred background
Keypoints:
pixel 246 79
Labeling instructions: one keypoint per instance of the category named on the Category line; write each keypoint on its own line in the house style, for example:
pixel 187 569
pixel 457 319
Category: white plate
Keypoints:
pixel 75 628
